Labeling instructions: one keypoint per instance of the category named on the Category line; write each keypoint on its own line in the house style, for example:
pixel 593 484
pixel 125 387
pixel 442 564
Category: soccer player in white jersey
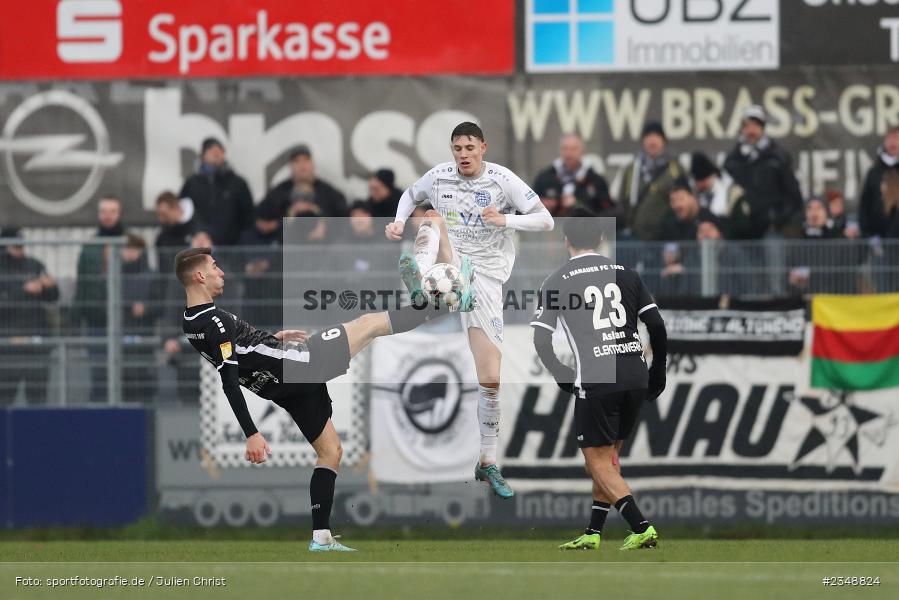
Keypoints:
pixel 476 207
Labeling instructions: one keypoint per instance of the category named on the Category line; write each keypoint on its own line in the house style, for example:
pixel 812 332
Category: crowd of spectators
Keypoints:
pixel 661 209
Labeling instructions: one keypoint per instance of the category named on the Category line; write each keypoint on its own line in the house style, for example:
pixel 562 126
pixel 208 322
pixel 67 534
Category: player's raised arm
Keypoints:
pixel 658 340
pixel 220 336
pixel 414 196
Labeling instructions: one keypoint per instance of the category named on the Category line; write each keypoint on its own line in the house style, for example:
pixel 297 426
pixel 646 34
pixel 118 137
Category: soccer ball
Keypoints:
pixel 442 283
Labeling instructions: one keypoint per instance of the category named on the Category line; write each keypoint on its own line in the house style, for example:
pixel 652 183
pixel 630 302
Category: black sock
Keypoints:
pixel 321 492
pixel 627 506
pixel 407 318
pixel 598 516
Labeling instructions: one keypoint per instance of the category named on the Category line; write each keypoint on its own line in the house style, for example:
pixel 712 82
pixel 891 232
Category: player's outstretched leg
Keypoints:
pixel 321 490
pixel 487 359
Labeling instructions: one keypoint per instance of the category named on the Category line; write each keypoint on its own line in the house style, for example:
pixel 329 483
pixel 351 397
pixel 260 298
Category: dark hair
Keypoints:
pixel 581 230
pixel 135 241
pixel 360 205
pixel 679 184
pixel 167 198
pixel 187 261
pixel 467 129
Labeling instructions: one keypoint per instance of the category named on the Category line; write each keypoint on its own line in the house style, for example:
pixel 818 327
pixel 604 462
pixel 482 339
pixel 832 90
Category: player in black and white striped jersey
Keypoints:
pixel 257 360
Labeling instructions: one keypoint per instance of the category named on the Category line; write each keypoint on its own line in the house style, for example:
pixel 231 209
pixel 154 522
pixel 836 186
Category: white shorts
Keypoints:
pixel 488 311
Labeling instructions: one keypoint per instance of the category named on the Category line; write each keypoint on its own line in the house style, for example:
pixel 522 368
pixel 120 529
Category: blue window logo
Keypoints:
pixel 570 34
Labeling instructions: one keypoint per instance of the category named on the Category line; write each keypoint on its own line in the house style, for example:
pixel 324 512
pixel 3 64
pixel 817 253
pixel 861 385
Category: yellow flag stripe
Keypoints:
pixel 863 312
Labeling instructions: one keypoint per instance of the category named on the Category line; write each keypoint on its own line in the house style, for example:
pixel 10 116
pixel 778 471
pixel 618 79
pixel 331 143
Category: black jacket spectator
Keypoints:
pixel 686 214
pixel 25 290
pixel 870 204
pixel 765 171
pixel 383 195
pixel 304 186
pixel 25 293
pixel 262 268
pixel 221 198
pixel 817 266
pixel 569 181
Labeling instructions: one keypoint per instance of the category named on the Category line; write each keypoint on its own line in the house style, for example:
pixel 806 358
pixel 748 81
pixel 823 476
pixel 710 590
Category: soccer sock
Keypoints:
pixel 407 318
pixel 488 422
pixel 427 243
pixel 627 506
pixel 321 492
pixel 598 516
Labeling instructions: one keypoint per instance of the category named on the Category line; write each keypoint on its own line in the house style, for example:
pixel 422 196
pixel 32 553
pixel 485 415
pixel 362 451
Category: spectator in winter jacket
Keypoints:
pixel 647 182
pixel 26 291
pixel 821 267
pixel 686 213
pixel 870 204
pixel 138 319
pixel 261 255
pixel 304 185
pixel 569 181
pixel 221 198
pixel 89 305
pixel 765 171
pixel 383 195
pixel 176 227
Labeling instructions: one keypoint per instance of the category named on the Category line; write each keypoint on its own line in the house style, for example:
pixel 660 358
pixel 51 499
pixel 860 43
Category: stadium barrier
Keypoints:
pixel 48 342
pixel 74 467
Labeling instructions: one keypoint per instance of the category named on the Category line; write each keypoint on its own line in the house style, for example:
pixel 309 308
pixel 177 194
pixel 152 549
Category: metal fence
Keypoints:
pixel 91 321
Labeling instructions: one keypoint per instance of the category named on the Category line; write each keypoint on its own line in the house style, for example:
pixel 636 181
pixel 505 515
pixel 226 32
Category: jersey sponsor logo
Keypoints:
pixel 456 218
pixel 226 350
pixel 482 198
pixel 196 336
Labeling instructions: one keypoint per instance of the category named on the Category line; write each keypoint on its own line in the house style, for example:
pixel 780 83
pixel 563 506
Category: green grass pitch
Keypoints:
pixel 456 569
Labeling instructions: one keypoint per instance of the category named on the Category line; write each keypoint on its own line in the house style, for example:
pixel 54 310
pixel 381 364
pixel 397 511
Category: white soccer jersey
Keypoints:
pixel 461 200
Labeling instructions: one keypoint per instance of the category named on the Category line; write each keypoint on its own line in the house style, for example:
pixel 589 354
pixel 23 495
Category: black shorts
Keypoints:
pixel 325 355
pixel 603 419
pixel 309 405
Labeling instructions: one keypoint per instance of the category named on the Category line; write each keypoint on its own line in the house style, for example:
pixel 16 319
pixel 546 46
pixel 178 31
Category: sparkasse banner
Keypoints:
pixel 106 39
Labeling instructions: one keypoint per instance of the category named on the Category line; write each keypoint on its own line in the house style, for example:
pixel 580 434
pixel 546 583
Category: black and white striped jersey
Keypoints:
pixel 596 302
pixel 244 356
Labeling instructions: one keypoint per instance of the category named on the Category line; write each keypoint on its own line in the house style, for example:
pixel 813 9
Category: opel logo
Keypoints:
pixel 57 152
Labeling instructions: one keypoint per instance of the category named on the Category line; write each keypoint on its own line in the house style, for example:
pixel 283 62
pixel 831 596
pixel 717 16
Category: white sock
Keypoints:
pixel 427 243
pixel 488 422
pixel 322 536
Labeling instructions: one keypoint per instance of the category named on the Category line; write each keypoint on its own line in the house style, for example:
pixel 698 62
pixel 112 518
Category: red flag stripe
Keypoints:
pixel 855 346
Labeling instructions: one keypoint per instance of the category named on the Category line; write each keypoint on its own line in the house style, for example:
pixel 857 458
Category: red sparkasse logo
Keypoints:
pixel 104 39
pixel 89 31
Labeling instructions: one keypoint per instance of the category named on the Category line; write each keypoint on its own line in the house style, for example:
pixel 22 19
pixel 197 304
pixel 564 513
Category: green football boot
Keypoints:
pixel 636 541
pixel 588 541
pixel 492 475
pixel 333 546
pixel 410 275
